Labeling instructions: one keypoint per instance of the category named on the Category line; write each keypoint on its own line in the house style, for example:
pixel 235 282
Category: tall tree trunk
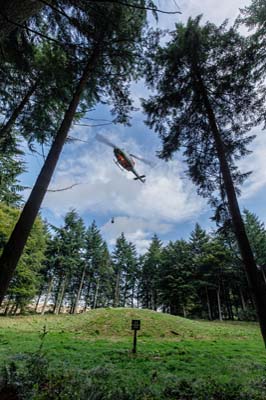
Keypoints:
pixel 62 295
pixel 243 303
pixel 263 274
pixel 155 300
pixel 79 290
pixel 133 295
pixel 57 294
pixel 47 295
pixel 229 304
pixel 38 300
pixel 7 306
pixel 184 311
pixel 16 309
pixel 125 294
pixel 72 307
pixel 256 284
pixel 13 12
pixel 15 245
pixel 5 129
pixel 11 310
pixel 227 300
pixel 218 291
pixel 117 290
pixel 208 303
pixel 87 296
pixel 152 302
pixel 138 305
pixel 96 294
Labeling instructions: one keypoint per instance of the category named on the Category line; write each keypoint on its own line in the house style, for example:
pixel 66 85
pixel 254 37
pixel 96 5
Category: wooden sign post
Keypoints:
pixel 135 326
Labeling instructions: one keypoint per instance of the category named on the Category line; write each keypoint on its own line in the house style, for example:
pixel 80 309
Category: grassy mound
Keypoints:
pixel 116 323
pixel 175 355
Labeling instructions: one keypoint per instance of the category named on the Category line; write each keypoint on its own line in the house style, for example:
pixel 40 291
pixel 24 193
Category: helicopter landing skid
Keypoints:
pixel 117 163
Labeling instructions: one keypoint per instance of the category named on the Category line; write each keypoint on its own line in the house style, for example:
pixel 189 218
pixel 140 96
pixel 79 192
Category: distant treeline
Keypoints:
pixel 70 269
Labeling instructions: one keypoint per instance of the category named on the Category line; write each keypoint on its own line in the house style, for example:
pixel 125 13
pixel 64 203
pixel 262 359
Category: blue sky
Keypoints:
pixel 167 204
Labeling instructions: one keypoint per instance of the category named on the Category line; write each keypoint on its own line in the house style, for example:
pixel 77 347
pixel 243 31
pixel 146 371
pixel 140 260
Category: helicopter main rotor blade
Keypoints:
pixel 103 139
pixel 150 163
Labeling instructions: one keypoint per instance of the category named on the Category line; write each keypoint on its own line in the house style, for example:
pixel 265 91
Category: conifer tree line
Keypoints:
pixel 70 269
pixel 60 59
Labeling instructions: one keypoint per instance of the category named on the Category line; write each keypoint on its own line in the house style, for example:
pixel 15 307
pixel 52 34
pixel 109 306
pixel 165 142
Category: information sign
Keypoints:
pixel 135 324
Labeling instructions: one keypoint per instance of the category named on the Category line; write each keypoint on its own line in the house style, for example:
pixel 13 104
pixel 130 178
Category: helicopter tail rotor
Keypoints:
pixel 140 178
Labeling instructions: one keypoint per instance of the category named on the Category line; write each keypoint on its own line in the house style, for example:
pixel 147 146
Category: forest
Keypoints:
pixel 70 269
pixel 204 86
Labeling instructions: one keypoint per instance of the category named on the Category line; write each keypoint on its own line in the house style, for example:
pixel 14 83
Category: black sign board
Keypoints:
pixel 135 324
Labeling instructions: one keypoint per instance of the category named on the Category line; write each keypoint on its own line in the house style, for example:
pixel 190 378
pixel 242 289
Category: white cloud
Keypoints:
pixel 106 189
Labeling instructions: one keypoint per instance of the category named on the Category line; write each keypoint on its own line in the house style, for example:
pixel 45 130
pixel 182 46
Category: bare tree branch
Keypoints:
pixel 118 2
pixel 123 3
pixel 57 190
pixel 107 123
pixel 76 139
pixel 97 119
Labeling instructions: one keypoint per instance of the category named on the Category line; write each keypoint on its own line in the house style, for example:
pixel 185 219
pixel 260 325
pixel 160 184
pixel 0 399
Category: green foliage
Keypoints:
pixel 257 236
pixel 26 280
pixel 31 378
pixel 125 269
pixel 215 60
pixel 11 166
pixel 254 17
pixel 81 27
pixel 149 280
pixel 200 390
pixel 99 272
pixel 51 68
pixel 69 242
pixel 199 278
pixel 176 278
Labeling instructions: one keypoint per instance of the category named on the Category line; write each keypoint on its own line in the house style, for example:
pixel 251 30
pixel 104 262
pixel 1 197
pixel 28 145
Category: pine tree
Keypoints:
pixel 35 95
pixel 176 278
pixel 48 272
pixel 106 63
pixel 104 280
pixel 213 264
pixel 198 241
pixel 125 272
pixel 96 266
pixel 206 103
pixel 149 275
pixel 70 241
pixel 253 16
pixel 26 281
pixel 257 236
pixel 236 278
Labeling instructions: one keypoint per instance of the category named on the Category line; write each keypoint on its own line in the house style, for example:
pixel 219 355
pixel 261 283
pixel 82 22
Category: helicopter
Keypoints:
pixel 124 159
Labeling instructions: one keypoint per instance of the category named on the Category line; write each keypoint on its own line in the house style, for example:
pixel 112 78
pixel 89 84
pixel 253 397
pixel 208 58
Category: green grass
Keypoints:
pixel 169 347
